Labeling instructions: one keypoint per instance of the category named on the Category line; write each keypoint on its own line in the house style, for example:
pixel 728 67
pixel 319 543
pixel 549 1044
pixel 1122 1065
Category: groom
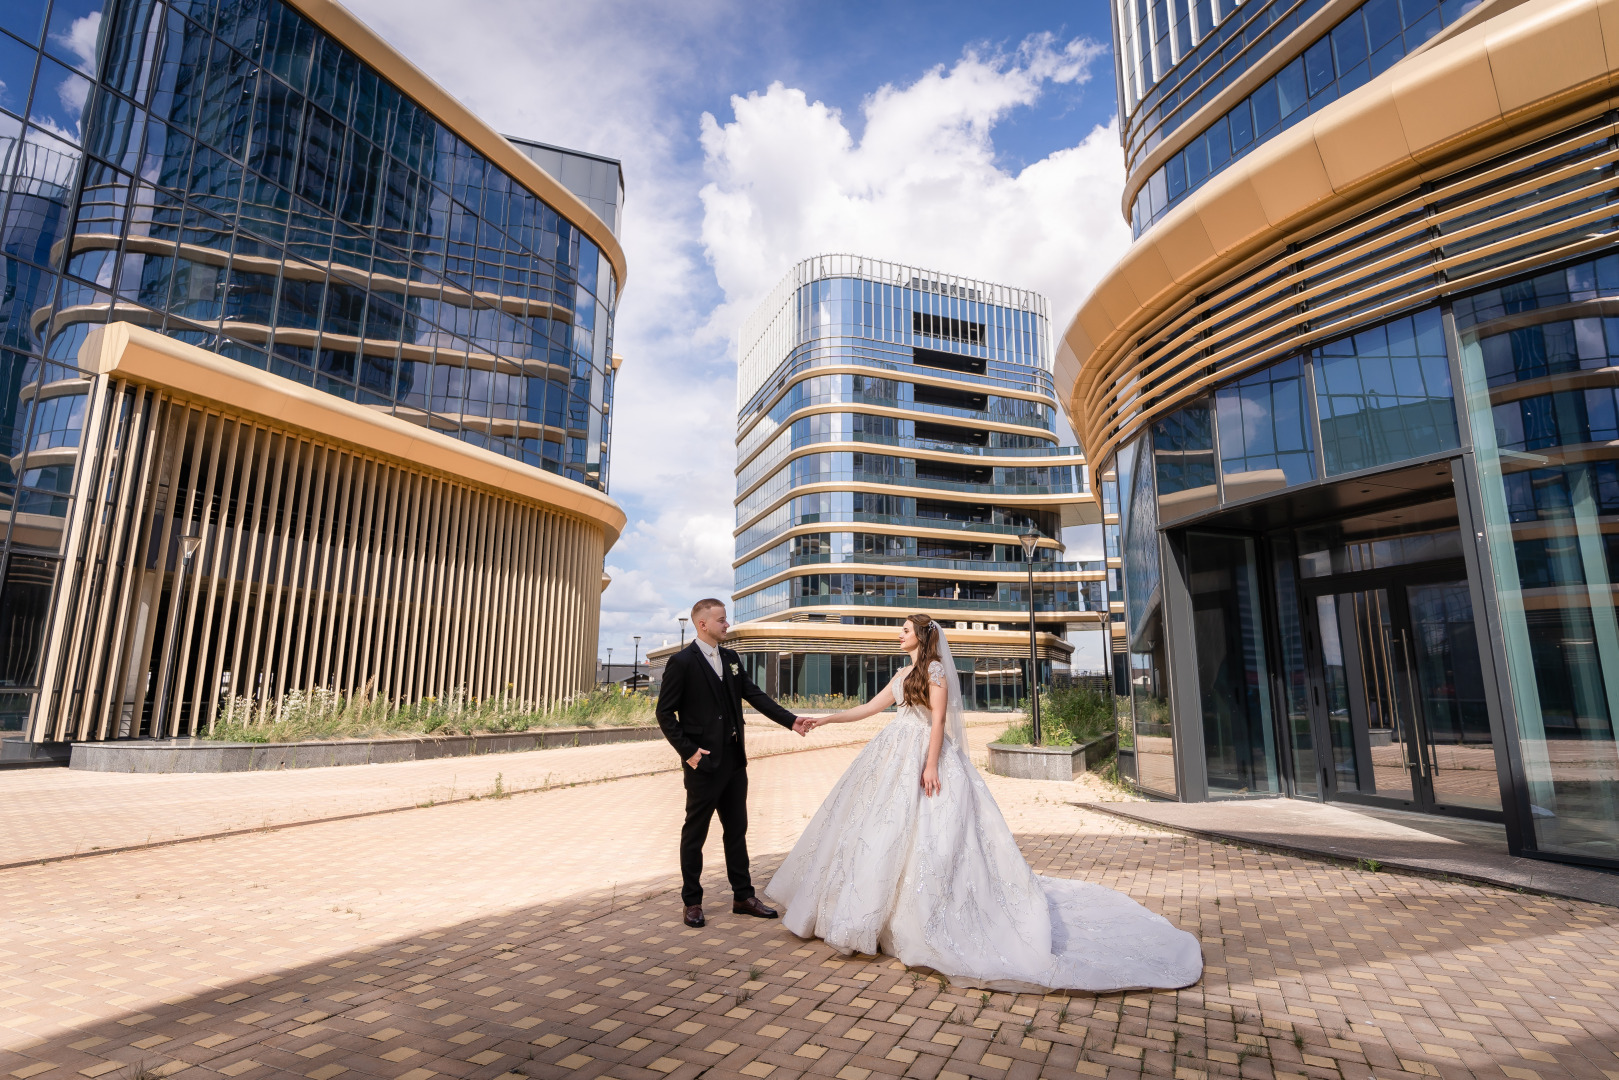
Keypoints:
pixel 700 712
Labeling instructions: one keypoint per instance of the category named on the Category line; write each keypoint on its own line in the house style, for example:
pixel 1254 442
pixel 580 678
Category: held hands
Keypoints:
pixel 807 724
pixel 930 780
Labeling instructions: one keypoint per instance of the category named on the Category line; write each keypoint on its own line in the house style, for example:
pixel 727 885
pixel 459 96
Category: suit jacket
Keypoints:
pixel 696 707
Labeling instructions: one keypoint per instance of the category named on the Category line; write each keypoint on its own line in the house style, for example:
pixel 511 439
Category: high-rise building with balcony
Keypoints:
pixel 1356 383
pixel 896 433
pixel 305 375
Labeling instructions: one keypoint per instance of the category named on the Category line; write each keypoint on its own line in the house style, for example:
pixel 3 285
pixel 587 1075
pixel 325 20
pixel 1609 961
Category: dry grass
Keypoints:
pixel 303 716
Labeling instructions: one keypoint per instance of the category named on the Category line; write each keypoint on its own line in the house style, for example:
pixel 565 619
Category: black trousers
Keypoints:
pixel 723 789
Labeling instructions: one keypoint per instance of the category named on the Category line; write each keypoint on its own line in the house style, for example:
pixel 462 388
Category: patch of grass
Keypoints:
pixel 819 702
pixel 1108 772
pixel 1372 865
pixel 302 716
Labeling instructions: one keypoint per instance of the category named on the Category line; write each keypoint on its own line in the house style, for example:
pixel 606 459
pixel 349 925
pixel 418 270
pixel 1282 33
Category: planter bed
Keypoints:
pixel 1049 762
pixel 206 755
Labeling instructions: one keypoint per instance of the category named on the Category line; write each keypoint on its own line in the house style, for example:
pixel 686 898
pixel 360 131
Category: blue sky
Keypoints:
pixel 839 53
pixel 968 138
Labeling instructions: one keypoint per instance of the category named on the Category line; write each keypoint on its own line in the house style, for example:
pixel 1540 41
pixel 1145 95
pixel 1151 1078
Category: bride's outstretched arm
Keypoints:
pixel 883 700
pixel 938 701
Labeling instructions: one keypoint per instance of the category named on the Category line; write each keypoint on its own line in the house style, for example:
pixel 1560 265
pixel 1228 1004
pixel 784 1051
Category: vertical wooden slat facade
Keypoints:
pixel 321 564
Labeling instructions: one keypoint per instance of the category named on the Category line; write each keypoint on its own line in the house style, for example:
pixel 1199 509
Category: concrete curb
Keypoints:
pixel 207 756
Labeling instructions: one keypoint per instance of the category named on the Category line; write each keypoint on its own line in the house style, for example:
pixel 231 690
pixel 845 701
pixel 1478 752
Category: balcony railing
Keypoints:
pixel 774 488
pixel 1010 610
pixel 984 566
pixel 1039 381
pixel 966 528
pixel 987 566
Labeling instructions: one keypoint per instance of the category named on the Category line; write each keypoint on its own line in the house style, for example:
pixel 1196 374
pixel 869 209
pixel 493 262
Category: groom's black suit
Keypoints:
pixel 698 709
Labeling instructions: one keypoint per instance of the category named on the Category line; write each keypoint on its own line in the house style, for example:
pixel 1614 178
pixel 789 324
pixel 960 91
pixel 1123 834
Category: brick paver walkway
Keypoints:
pixel 46 813
pixel 538 935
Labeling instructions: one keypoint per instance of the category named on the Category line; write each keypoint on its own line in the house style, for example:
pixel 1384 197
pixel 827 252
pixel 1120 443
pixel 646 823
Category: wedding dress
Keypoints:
pixel 938 882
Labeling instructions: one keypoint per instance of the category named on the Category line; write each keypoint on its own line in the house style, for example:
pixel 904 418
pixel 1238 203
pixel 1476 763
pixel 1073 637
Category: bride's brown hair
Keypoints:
pixel 916 683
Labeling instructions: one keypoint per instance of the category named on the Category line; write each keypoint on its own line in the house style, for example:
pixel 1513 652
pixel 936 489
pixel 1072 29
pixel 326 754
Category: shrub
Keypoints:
pixel 320 713
pixel 1067 716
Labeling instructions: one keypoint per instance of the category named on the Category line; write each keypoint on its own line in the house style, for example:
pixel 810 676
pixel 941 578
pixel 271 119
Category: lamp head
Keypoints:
pixel 189 543
pixel 1031 540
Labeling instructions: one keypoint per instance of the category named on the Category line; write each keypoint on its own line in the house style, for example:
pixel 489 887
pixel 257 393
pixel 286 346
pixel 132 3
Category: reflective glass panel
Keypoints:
pixel 1149 701
pixel 1384 394
pixel 1264 425
pixel 1295 703
pixel 1233 684
pixel 1536 393
pixel 1449 685
pixel 1336 675
pixel 1183 460
pixel 1398 536
pixel 1141 563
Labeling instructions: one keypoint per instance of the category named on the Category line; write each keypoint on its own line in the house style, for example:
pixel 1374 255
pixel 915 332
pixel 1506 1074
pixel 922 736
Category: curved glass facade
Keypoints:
pixel 895 434
pixel 227 173
pixel 1367 472
pixel 956 417
pixel 1175 57
pixel 1359 47
pixel 1540 361
pixel 247 184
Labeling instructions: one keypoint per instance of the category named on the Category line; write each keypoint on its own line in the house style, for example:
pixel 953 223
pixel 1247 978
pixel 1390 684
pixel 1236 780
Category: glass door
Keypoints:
pixel 1403 695
pixel 1453 729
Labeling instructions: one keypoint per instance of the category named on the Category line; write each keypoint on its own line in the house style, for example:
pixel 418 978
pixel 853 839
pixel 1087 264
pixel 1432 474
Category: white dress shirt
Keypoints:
pixel 712 653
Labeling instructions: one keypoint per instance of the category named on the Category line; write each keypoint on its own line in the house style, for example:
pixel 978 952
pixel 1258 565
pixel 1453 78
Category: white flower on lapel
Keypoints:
pixel 733 670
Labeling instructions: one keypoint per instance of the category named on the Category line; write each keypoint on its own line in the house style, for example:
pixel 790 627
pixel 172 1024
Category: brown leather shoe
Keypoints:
pixel 752 906
pixel 694 916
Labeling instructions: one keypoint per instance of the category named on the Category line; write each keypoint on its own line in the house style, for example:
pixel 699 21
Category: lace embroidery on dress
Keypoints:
pixel 940 882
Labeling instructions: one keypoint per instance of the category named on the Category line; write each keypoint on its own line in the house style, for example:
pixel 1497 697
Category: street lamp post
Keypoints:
pixel 1031 540
pixel 189 543
pixel 682 631
pixel 609 664
pixel 635 670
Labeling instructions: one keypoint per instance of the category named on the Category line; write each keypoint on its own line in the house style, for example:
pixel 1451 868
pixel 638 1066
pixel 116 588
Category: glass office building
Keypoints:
pixel 1358 401
pixel 896 432
pixel 269 184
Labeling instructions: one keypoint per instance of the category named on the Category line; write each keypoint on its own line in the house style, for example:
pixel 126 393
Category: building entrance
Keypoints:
pixel 1401 690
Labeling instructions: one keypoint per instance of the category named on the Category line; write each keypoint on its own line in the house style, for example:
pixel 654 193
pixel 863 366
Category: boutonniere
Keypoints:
pixel 734 670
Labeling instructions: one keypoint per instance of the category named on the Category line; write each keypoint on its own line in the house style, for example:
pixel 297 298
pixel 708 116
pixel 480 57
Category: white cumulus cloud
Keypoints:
pixel 920 185
pixel 81 37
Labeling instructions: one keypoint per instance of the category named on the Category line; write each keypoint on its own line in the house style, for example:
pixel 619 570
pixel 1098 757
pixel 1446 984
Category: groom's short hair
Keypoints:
pixel 703 605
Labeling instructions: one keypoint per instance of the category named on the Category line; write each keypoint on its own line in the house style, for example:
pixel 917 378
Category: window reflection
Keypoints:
pixel 292 210
pixel 1541 400
pixel 1384 394
pixel 1183 459
pixel 1264 425
pixel 1233 684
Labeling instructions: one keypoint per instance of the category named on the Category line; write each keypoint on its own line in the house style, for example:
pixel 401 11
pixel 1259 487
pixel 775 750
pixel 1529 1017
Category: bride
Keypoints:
pixel 909 855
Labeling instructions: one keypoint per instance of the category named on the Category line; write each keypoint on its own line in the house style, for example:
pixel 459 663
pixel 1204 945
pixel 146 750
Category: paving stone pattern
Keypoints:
pixel 50 813
pixel 538 935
